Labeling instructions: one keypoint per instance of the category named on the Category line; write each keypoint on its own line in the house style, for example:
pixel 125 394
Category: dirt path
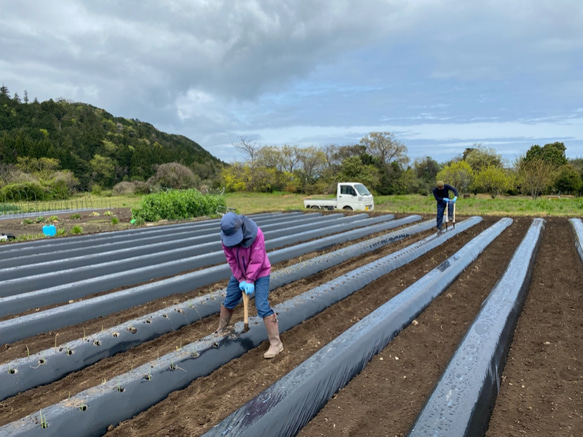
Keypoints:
pixel 541 392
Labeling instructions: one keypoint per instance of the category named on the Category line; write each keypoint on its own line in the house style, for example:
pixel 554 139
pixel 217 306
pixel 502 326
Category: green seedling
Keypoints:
pixel 43 420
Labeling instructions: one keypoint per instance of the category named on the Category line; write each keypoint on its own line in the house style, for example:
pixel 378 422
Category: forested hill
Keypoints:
pixel 91 142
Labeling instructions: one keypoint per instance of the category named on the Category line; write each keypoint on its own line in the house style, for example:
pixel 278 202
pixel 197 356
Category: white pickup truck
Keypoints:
pixel 349 196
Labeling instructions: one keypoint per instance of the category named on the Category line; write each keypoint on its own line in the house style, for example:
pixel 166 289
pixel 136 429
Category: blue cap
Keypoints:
pixel 231 229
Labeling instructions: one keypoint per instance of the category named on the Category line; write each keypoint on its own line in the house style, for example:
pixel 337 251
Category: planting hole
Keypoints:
pixel 12 371
pixel 132 329
pixel 115 334
pixel 149 321
pixel 179 310
pixel 83 408
pixel 69 352
pixel 42 361
pixel 120 389
pixel 172 366
pixel 96 343
pixel 165 316
pixel 148 377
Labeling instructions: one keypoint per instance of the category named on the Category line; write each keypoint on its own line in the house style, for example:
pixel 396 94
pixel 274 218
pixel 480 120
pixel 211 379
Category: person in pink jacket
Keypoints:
pixel 244 247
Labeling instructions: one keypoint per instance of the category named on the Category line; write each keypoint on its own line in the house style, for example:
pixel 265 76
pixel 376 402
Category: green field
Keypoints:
pixel 249 203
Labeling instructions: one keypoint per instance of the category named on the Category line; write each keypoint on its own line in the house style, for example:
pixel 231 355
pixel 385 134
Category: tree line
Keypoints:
pixel 380 161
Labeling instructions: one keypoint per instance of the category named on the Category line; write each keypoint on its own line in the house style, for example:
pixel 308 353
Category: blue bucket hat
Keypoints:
pixel 231 229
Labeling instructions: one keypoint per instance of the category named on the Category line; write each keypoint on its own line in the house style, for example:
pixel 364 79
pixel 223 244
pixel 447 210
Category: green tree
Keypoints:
pixel 492 180
pixel 535 175
pixel 353 170
pixel 236 177
pixel 458 174
pixel 480 158
pixel 568 180
pixel 426 169
pixel 553 154
pixel 102 170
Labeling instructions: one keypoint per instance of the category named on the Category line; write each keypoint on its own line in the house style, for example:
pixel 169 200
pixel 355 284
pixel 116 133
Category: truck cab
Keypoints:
pixel 350 196
pixel 354 196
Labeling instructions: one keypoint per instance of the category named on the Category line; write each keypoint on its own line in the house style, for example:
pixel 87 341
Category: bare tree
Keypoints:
pixel 385 147
pixel 248 148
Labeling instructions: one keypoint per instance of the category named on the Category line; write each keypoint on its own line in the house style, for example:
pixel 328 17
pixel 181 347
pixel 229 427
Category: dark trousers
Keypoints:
pixel 441 209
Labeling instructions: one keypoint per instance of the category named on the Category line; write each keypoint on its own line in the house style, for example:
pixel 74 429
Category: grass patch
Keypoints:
pixel 251 203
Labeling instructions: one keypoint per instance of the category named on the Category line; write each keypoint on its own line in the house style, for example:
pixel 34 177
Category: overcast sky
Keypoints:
pixel 439 74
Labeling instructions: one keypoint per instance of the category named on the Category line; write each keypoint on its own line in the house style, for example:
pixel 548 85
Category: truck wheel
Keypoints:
pixel 314 207
pixel 347 208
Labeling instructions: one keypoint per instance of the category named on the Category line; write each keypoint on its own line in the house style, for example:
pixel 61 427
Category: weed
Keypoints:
pixel 114 220
pixel 76 230
pixel 75 216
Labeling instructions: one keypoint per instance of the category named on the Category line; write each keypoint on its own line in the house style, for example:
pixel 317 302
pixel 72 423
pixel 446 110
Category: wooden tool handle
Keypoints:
pixel 245 309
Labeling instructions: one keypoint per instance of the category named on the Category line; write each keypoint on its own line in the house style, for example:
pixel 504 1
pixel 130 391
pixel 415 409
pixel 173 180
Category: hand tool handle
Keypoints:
pixel 246 311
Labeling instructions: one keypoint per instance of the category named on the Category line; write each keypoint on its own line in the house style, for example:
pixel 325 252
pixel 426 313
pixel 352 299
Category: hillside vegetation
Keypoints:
pixel 89 144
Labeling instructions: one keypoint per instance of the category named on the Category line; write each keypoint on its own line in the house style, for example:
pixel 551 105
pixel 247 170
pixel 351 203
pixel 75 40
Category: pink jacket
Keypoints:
pixel 249 263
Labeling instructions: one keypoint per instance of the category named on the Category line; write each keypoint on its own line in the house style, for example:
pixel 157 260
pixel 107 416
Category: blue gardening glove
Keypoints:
pixel 249 288
pixel 242 285
pixel 454 199
pixel 445 199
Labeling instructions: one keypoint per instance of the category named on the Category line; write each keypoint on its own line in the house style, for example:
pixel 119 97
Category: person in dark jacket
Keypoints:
pixel 441 194
pixel 244 247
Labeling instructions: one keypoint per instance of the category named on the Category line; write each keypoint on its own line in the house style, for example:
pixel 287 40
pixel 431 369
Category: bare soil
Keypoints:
pixel 541 392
